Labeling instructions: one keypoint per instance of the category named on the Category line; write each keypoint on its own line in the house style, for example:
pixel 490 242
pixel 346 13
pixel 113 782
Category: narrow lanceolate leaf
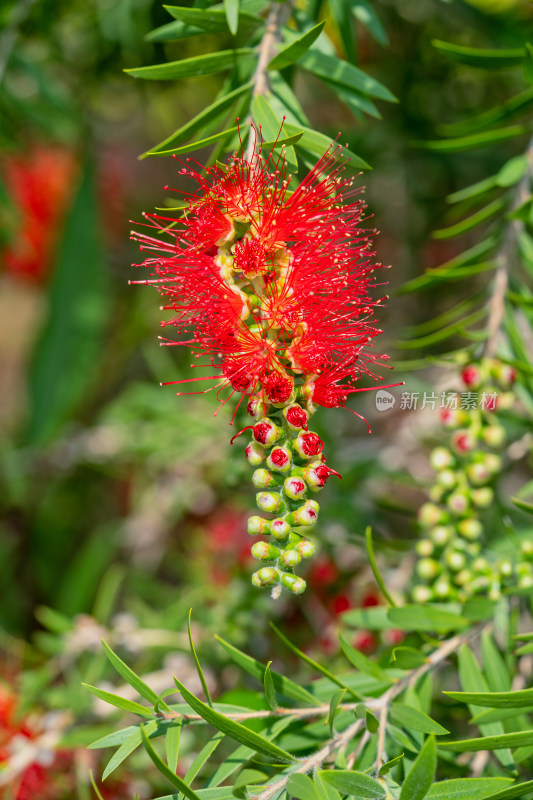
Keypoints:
pixel 202 757
pixel 422 773
pixel 411 718
pixel 201 120
pixel 172 745
pixel 288 55
pixel 312 663
pixel 129 675
pixel 528 507
pixel 127 748
pixel 317 144
pixel 425 618
pixel 407 658
pixel 284 686
pixel 472 142
pixel 197 663
pixel 502 740
pixel 172 32
pixel 187 148
pixel 95 787
pixel 119 702
pixel 174 779
pixel 270 691
pixel 234 729
pixel 362 663
pixel 515 106
pixel 466 788
pixel 512 793
pixel 337 71
pixel 286 141
pixel 388 765
pixel 479 57
pixel 365 13
pixel 518 699
pixel 472 221
pixel 216 20
pixel 496 671
pixel 336 698
pixel 349 782
pixel 301 787
pixel 377 574
pixel 231 7
pixel 191 67
pixel 474 190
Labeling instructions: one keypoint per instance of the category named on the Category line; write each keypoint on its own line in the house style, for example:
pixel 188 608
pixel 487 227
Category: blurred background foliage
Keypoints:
pixel 121 505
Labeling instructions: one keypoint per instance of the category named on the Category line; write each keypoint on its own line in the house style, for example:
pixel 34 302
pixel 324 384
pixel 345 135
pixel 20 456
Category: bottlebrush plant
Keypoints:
pixel 270 282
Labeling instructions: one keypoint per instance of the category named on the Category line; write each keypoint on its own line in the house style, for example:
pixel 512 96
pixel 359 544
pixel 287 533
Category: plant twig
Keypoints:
pixel 504 260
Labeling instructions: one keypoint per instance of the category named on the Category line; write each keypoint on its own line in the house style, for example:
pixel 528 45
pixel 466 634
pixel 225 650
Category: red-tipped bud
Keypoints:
pixel 278 388
pixel 504 374
pixel 294 488
pixel 471 376
pixel 305 516
pixel 280 459
pixel 296 417
pixel 316 475
pixel 257 526
pixel 458 502
pixel 463 441
pixel 254 454
pixel 280 529
pixel 453 417
pixel 266 432
pixel 308 445
pixel 256 407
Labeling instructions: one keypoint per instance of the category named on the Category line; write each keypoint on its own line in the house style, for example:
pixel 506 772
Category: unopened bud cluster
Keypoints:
pixel 452 563
pixel 290 468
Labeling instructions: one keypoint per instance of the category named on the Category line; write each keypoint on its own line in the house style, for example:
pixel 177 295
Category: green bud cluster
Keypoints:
pixel 451 563
pixel 289 466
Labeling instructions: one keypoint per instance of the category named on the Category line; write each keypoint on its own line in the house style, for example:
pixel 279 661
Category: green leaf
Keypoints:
pixel 234 729
pixel 472 221
pixel 271 127
pixel 288 55
pixel 176 781
pixel 312 663
pixel 270 691
pixel 473 190
pixel 284 686
pixel 172 32
pixel 324 790
pixel 336 71
pixel 388 765
pixel 95 787
pixel 528 63
pixel 172 745
pixel 276 143
pixel 479 57
pixel 127 748
pixel 513 170
pixel 407 658
pixel 411 718
pixel 201 120
pixel 301 787
pixel 356 102
pixel 374 618
pixel 497 674
pixel 71 341
pixel 513 107
pixel 356 783
pixel 119 702
pixel 365 13
pixel 528 507
pixel 512 792
pixel 129 675
pixel 317 144
pixel 425 618
pixel 205 753
pixel 466 788
pixel 216 20
pixel 187 148
pixel 197 663
pixel 341 14
pixel 518 699
pixel 502 740
pixel 231 7
pixel 195 67
pixel 478 608
pixel 475 140
pixel 422 774
pixel 371 721
pixel 377 575
pixel 362 662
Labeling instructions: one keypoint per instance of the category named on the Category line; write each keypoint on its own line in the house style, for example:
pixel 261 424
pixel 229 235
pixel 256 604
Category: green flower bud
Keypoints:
pixel 441 458
pixel 470 528
pixel 254 454
pixel 421 594
pixel 267 576
pixel 441 535
pixel 505 568
pixel 481 566
pixel 257 526
pixel 262 479
pixel 293 583
pixel 442 588
pixel 504 374
pixel 483 497
pixel 436 493
pixel 526 548
pixel 447 478
pixel 294 488
pixel 506 401
pixel 280 459
pixel 523 568
pixel 280 529
pixel 305 548
pixel 494 435
pixel 525 581
pixel 269 501
pixel 429 515
pixel 463 577
pixel 428 568
pixel 290 558
pixel 495 591
pixel 493 463
pixel 424 547
pixel 458 502
pixel 480 583
pixel 455 560
pixel 305 516
pixel 473 549
pixel 478 473
pixel 265 551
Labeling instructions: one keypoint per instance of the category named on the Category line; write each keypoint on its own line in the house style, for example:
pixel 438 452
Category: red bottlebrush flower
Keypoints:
pixel 471 376
pixel 278 387
pixel 341 603
pixel 39 184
